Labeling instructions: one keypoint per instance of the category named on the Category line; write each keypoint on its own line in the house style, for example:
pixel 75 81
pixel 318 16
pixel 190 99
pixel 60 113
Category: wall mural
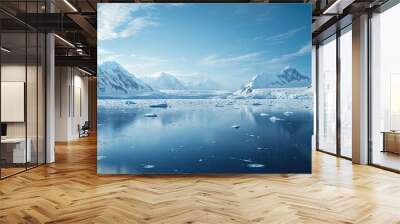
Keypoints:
pixel 204 88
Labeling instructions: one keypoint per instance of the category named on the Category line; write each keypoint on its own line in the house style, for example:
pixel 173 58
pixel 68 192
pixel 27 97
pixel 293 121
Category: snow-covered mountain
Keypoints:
pixel 206 84
pixel 115 81
pixel 164 81
pixel 287 78
pixel 287 84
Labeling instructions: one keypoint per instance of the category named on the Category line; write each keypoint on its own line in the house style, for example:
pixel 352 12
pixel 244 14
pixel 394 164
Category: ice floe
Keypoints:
pixel 235 126
pixel 256 104
pixel 129 102
pixel 247 160
pixel 274 119
pixel 264 114
pixel 255 165
pixel 159 105
pixel 287 113
pixel 148 166
pixel 101 157
pixel 150 115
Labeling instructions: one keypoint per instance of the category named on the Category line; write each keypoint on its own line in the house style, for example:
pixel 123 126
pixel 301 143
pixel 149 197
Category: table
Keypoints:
pixel 391 141
pixel 16 147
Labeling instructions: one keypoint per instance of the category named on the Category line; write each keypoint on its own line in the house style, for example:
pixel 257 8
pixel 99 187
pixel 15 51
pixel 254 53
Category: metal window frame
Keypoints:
pixel 337 34
pixel 44 75
pixel 388 5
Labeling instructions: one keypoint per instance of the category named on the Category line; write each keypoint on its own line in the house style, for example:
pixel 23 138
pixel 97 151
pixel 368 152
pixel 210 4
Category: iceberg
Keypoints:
pixel 129 102
pixel 287 113
pixel 235 126
pixel 150 115
pixel 247 160
pixel 219 105
pixel 149 166
pixel 273 119
pixel 256 104
pixel 264 114
pixel 159 105
pixel 255 165
pixel 101 157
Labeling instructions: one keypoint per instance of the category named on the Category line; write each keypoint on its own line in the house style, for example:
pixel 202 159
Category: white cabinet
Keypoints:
pixel 19 155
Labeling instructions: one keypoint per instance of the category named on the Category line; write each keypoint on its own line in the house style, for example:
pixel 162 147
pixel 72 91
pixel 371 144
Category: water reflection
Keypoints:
pixel 196 136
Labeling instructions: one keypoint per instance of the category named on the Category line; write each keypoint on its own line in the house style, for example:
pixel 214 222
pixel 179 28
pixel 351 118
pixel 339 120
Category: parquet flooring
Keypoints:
pixel 70 191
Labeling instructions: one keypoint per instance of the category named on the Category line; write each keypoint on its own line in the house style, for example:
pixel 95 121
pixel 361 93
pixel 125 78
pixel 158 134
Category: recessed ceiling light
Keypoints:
pixel 70 5
pixel 84 71
pixel 5 50
pixel 64 40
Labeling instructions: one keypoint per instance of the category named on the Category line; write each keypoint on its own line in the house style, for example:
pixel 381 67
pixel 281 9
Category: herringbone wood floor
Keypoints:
pixel 70 191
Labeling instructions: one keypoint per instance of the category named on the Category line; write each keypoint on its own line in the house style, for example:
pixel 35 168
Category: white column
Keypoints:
pixel 360 90
pixel 314 89
pixel 50 98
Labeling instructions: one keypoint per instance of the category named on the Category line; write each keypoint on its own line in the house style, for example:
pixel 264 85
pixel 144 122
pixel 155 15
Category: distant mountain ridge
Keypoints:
pixel 288 78
pixel 164 81
pixel 205 84
pixel 116 81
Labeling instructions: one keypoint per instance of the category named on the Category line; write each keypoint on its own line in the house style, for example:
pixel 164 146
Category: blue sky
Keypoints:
pixel 228 43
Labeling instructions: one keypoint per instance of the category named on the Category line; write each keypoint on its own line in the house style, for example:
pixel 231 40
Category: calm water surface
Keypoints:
pixel 196 136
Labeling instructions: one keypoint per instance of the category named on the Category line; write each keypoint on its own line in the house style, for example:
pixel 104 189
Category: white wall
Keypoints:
pixel 70 83
pixel 33 126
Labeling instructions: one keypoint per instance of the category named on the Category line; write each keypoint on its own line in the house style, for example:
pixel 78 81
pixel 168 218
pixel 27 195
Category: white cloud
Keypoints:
pixel 216 60
pixel 285 35
pixel 148 59
pixel 143 65
pixel 105 55
pixel 286 57
pixel 136 25
pixel 113 20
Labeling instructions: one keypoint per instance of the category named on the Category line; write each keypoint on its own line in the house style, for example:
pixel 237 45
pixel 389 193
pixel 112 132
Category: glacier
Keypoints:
pixel 164 81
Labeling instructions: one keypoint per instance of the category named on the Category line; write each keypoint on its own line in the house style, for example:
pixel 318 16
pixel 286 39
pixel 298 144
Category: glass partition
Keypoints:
pixel 41 97
pixel 327 95
pixel 31 98
pixel 23 91
pixel 346 92
pixel 385 89
pixel 13 108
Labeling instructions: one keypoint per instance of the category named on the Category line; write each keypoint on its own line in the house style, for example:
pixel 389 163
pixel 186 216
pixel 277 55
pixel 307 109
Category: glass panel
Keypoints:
pixel 327 96
pixel 32 88
pixel 41 99
pixel 346 93
pixel 23 90
pixel 31 98
pixel 385 114
pixel 13 86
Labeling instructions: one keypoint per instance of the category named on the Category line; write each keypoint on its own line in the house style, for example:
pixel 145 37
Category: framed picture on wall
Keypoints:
pixel 204 88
